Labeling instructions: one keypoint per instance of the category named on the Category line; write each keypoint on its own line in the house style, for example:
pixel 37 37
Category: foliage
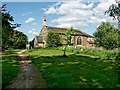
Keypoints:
pixel 53 39
pixel 19 40
pixel 6 27
pixel 106 36
pixel 9 37
pixel 68 34
pixel 5 39
pixel 76 71
pixel 114 11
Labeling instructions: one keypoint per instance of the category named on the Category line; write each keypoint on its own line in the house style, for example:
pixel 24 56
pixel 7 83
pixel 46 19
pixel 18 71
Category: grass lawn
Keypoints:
pixel 74 71
pixel 10 51
pixel 10 67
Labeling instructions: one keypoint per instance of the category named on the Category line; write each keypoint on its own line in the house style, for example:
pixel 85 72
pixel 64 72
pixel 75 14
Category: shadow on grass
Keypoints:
pixel 76 71
pixel 59 57
pixel 10 69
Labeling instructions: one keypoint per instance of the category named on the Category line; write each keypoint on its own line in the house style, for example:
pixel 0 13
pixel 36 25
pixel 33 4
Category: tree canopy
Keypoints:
pixel 106 36
pixel 8 32
pixel 53 39
pixel 114 11
pixel 19 40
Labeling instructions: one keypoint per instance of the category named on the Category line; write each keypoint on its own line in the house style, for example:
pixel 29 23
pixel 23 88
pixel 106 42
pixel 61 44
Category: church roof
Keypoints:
pixel 78 32
pixel 39 39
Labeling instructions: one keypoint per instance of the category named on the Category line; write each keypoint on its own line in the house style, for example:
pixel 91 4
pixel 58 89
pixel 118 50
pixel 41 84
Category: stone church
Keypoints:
pixel 79 39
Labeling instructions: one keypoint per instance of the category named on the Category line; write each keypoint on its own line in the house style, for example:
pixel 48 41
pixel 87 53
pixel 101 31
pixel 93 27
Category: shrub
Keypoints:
pixel 53 39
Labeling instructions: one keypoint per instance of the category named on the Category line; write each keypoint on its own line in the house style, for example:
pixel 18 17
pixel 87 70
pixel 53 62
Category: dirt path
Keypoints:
pixel 29 76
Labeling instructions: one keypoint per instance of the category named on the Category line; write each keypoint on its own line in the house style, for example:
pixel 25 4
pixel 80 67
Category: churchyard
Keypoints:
pixel 83 67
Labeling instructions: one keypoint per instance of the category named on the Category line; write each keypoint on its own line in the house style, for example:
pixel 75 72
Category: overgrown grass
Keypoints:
pixel 74 71
pixel 10 66
pixel 93 51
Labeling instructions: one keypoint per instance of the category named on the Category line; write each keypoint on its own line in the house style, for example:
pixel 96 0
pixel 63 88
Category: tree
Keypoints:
pixel 19 40
pixel 6 19
pixel 114 11
pixel 106 36
pixel 7 27
pixel 69 32
pixel 53 39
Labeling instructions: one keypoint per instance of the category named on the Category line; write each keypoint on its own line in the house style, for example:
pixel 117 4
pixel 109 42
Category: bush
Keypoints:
pixel 53 39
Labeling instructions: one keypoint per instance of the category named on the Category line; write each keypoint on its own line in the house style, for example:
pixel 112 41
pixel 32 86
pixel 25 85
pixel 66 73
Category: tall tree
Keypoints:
pixel 114 11
pixel 68 34
pixel 106 36
pixel 7 27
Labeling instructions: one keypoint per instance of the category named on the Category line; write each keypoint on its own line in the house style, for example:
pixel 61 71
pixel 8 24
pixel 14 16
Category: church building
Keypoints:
pixel 78 39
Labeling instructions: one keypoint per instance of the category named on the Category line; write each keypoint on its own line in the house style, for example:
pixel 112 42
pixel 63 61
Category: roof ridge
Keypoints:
pixel 74 29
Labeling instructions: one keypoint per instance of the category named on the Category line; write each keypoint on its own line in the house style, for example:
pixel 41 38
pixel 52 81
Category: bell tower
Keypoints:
pixel 43 31
pixel 44 22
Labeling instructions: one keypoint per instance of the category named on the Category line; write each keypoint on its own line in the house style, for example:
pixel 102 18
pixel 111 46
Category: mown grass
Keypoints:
pixel 10 66
pixel 10 69
pixel 10 51
pixel 74 71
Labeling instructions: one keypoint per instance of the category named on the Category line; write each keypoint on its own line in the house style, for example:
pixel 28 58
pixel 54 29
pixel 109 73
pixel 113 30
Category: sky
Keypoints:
pixel 85 15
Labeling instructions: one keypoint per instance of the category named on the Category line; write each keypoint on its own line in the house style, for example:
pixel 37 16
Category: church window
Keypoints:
pixel 79 41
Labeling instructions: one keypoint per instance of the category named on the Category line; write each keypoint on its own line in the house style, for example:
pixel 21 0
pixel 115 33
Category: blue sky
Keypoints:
pixel 85 16
pixel 23 11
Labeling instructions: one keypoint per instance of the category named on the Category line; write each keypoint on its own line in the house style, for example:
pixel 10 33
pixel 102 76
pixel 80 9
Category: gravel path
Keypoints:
pixel 29 76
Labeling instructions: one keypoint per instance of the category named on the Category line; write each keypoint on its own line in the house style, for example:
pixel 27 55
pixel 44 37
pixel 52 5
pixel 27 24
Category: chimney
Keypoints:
pixel 44 22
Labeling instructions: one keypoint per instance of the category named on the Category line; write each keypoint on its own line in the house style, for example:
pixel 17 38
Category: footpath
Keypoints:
pixel 29 76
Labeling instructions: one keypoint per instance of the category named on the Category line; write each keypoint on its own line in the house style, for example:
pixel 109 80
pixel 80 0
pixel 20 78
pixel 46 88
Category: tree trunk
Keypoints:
pixel 65 51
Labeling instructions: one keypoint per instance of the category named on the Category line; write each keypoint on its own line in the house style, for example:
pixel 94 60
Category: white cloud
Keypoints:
pixel 33 32
pixel 27 13
pixel 29 20
pixel 17 28
pixel 50 10
pixel 76 13
pixel 33 29
pixel 34 23
pixel 30 31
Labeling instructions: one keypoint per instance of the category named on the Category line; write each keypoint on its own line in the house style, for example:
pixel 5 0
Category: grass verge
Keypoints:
pixel 10 67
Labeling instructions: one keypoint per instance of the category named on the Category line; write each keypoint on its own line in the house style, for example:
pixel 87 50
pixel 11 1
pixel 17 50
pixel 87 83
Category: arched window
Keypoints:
pixel 79 41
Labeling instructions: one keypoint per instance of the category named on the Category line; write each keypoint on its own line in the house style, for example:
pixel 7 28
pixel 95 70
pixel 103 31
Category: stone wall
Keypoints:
pixel 84 42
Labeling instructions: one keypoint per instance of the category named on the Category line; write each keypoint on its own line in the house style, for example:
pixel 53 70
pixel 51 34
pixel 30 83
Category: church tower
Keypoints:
pixel 43 31
pixel 44 22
